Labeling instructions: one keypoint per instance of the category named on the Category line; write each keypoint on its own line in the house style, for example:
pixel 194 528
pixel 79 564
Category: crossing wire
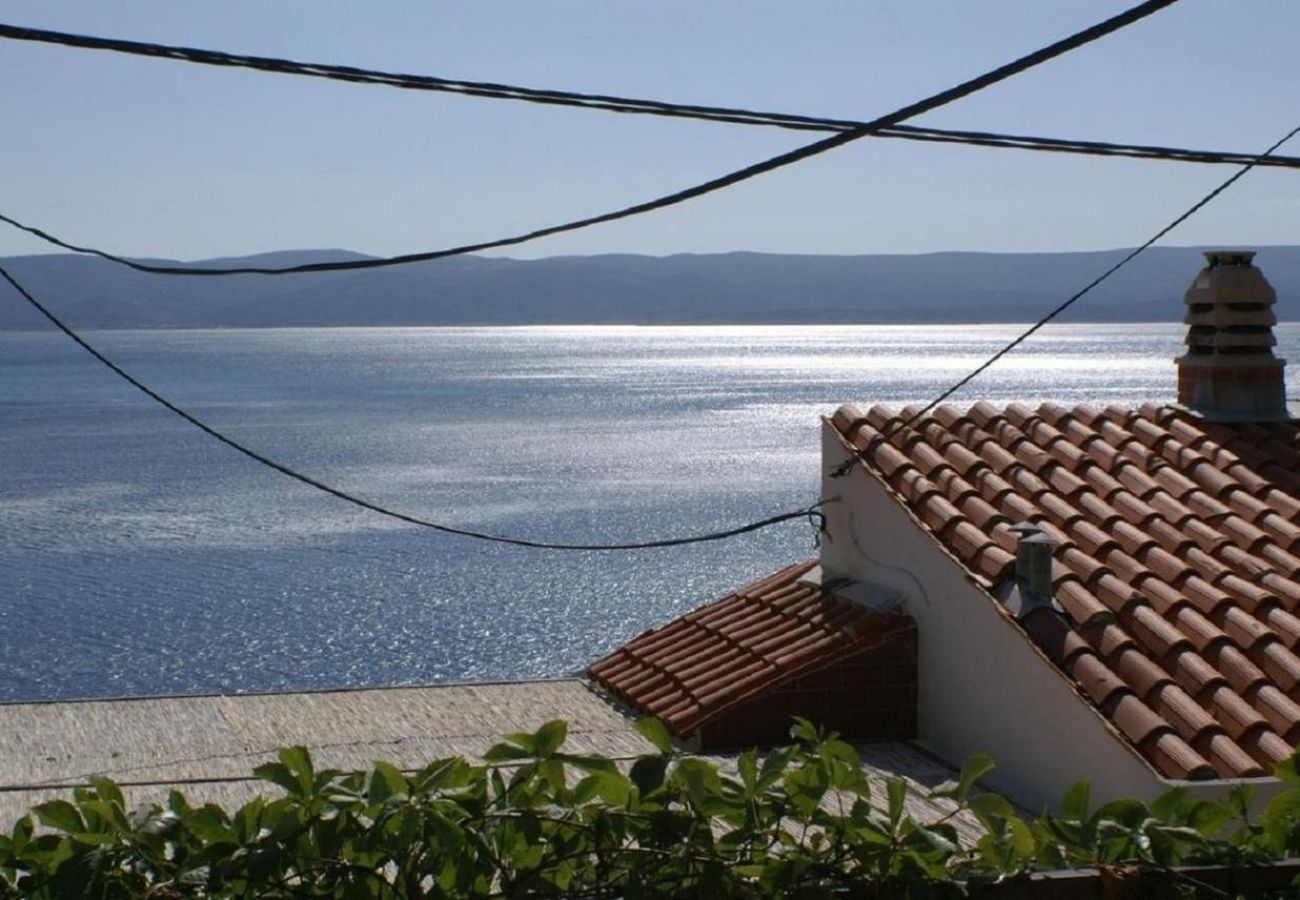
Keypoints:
pixel 845 467
pixel 812 513
pixel 618 104
pixel 866 129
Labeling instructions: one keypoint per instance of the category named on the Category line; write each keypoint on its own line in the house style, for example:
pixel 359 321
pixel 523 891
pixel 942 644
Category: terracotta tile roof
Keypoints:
pixel 699 666
pixel 1178 562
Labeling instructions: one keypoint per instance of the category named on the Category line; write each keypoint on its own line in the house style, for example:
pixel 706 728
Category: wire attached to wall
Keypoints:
pixel 966 88
pixel 845 467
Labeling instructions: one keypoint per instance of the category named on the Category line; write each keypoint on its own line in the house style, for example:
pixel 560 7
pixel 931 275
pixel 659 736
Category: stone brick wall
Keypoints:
pixel 870 695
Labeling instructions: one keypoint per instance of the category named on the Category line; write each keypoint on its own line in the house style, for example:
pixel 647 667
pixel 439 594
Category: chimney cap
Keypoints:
pixel 1229 257
pixel 1229 372
pixel 1028 531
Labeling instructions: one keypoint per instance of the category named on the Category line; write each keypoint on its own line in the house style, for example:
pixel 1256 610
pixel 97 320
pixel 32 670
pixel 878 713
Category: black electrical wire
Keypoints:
pixel 610 103
pixel 845 467
pixel 408 81
pixel 811 513
pixel 1085 148
pixel 1001 73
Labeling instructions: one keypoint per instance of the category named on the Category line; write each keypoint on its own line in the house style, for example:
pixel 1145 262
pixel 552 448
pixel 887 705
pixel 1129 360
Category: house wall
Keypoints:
pixel 982 686
pixel 870 695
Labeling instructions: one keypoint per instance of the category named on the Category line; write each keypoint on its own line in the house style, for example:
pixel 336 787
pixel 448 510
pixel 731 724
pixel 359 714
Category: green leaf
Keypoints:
pixel 385 780
pixel 94 838
pixel 1281 820
pixel 1241 798
pixel 552 772
pixel 524 741
pixel 805 731
pixel 1208 818
pixel 1074 805
pixel 747 768
pixel 106 814
pixel 587 762
pixel 278 773
pixel 298 761
pixel 648 773
pixel 61 815
pixel 702 783
pixel 498 753
pixel 941 837
pixel 107 790
pixel 806 785
pixel 991 806
pixel 210 824
pixel 972 770
pixel 1172 805
pixel 654 731
pixel 1022 838
pixel 614 787
pixel 1289 769
pixel 896 791
pixel 774 766
pixel 585 789
pixel 1126 811
pixel 550 737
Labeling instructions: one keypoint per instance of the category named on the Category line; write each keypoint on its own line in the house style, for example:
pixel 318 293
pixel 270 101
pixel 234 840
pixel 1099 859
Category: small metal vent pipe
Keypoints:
pixel 1034 561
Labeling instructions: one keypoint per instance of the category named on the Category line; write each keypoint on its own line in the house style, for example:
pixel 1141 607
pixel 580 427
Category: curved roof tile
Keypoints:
pixel 700 665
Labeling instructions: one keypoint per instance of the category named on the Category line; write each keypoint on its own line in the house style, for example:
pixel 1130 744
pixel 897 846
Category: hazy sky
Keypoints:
pixel 158 158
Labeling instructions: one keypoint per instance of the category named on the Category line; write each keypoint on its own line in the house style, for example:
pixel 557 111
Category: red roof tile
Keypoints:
pixel 699 666
pixel 1178 564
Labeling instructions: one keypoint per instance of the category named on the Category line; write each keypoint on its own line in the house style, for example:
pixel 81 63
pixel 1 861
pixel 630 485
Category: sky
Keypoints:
pixel 165 159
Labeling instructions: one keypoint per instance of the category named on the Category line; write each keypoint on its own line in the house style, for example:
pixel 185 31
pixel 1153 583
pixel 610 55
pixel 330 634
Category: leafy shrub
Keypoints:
pixel 534 820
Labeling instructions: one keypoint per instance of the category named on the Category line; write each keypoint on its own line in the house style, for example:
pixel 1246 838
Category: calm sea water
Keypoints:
pixel 138 556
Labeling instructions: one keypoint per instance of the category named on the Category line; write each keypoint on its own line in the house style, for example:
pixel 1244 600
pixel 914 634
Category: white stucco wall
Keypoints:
pixel 983 686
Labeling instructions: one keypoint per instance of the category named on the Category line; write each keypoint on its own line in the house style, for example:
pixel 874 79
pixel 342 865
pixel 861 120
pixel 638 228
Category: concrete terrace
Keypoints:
pixel 207 746
pixel 151 745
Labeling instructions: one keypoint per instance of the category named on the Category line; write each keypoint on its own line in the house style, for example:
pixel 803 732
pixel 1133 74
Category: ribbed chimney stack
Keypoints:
pixel 1229 371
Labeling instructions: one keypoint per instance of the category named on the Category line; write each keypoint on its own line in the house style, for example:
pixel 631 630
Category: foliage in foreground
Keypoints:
pixel 534 820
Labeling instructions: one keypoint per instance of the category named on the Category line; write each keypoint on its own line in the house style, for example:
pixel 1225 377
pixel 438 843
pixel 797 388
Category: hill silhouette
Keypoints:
pixel 741 287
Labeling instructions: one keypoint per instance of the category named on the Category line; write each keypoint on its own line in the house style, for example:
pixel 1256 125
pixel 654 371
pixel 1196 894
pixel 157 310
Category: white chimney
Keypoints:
pixel 1229 371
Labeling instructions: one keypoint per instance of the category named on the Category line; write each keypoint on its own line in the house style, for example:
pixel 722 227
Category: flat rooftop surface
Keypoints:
pixel 207 746
pixel 150 745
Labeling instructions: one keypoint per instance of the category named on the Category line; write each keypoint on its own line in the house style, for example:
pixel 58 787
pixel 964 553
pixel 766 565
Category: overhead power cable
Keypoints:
pixel 845 467
pixel 1085 148
pixel 611 103
pixel 812 513
pixel 1001 73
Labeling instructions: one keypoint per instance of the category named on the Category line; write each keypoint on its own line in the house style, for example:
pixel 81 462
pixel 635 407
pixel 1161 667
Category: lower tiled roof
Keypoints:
pixel 702 664
pixel 1178 562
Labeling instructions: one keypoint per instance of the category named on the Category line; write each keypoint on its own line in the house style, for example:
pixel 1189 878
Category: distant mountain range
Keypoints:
pixel 627 289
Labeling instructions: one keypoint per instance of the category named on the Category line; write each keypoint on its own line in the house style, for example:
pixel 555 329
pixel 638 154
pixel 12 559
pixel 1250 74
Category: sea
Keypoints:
pixel 138 556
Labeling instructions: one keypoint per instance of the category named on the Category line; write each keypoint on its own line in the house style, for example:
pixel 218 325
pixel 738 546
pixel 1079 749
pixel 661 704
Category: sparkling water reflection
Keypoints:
pixel 138 556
